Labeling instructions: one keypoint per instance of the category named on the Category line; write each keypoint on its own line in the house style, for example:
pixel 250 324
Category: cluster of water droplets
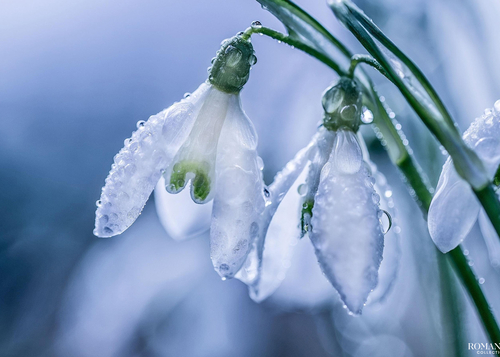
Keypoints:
pixel 127 184
pixel 140 163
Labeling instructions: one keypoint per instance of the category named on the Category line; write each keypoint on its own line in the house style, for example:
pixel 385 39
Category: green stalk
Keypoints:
pixel 469 280
pixel 369 60
pixel 491 204
pixel 386 42
pixel 281 37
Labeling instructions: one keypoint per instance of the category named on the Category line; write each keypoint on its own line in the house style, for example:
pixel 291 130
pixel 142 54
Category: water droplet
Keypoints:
pixel 487 111
pixel 256 25
pixel 367 116
pixel 234 56
pixel 140 124
pixel 130 169
pixel 260 163
pixel 126 142
pixel 388 193
pixel 481 281
pixel 466 252
pixel 187 94
pixel 392 115
pixel 223 267
pixel 389 222
pixel 471 263
pixel 496 106
pixel 266 192
pixel 98 203
pixel 349 112
pixel 209 69
pixel 240 33
pixel 302 189
pixel 252 60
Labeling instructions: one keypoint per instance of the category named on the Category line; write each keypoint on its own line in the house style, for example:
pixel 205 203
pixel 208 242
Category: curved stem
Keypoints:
pixel 469 280
pixel 385 41
pixel 369 60
pixel 281 37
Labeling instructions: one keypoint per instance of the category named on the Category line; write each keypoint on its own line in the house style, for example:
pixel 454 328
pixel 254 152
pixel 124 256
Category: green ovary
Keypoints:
pixel 201 181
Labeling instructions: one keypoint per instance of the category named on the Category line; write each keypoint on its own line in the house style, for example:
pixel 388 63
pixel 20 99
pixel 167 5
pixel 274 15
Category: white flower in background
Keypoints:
pixel 455 208
pixel 205 142
pixel 337 205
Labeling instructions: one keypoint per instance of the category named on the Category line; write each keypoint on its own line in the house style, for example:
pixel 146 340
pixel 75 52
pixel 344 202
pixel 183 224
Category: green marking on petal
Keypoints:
pixel 201 181
pixel 305 217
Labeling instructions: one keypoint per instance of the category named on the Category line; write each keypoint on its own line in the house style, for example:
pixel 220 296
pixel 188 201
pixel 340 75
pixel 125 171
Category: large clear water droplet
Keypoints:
pixel 256 25
pixel 367 116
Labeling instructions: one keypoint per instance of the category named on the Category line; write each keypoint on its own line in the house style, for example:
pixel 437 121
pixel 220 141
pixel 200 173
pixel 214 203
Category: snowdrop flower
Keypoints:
pixel 204 142
pixel 454 208
pixel 337 205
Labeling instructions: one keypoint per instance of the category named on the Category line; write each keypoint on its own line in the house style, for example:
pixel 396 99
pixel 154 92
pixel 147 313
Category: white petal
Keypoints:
pixel 196 159
pixel 179 215
pixel 256 265
pixel 239 196
pixel 304 286
pixel 490 238
pixel 282 236
pixel 453 210
pixel 483 136
pixel 346 230
pixel 318 161
pixel 389 267
pixel 138 166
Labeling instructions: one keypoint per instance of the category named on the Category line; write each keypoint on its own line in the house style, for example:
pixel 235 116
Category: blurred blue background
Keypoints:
pixel 75 77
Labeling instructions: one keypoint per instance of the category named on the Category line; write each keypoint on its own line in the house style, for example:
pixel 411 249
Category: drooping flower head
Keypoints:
pixel 333 194
pixel 205 142
pixel 454 208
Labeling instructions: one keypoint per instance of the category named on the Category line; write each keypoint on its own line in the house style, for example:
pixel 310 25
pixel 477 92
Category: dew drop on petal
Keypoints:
pixel 260 163
pixel 302 189
pixel 496 107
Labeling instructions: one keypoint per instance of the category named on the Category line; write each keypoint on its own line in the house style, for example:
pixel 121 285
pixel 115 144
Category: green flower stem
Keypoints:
pixel 469 280
pixel 385 41
pixel 369 60
pixel 489 200
pixel 294 43
pixel 274 6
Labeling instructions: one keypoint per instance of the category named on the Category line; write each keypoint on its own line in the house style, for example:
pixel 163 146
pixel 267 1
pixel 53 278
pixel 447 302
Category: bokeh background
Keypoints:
pixel 75 77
